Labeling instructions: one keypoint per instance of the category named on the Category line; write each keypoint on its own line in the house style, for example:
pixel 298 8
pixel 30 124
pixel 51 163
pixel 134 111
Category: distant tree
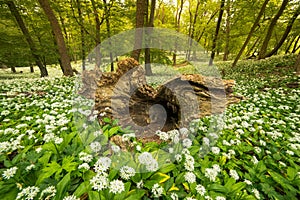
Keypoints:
pixel 62 49
pixel 179 9
pixel 140 13
pixel 215 39
pixel 13 9
pixel 286 33
pixel 228 21
pixel 255 24
pixel 297 65
pixel 149 25
pixel 263 49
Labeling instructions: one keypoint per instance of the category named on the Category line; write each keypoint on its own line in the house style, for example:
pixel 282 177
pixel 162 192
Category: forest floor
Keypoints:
pixel 254 155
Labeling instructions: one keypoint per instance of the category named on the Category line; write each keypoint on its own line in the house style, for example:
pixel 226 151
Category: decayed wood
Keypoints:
pixel 125 95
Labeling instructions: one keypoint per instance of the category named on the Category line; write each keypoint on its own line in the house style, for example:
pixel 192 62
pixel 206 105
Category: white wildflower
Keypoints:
pixel 116 186
pixel 157 190
pixel 215 150
pixel 95 147
pixel 99 182
pixel 234 174
pixel 9 173
pixel 200 189
pixel 190 177
pixel 127 172
pixel 84 166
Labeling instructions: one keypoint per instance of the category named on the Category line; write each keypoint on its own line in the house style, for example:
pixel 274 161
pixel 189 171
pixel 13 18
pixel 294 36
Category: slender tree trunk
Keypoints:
pixel 296 47
pixel 177 26
pixel 255 24
pixel 297 65
pixel 140 13
pixel 81 34
pixel 192 29
pixel 252 47
pixel 150 25
pixel 13 9
pixel 214 45
pixel 227 40
pixel 13 69
pixel 98 39
pixel 285 34
pixel 263 49
pixel 62 49
pixel 31 69
pixel 107 16
pixel 207 23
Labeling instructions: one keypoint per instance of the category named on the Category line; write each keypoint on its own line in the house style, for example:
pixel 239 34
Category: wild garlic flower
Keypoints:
pixel 234 174
pixel 174 196
pixel 256 193
pixel 187 143
pixel 211 173
pixel 95 147
pixel 9 173
pixel 28 193
pixel 116 186
pixel 190 177
pixel 162 135
pixel 102 164
pixel 99 182
pixel 85 157
pixel 200 189
pixel 49 190
pixel 84 166
pixel 157 190
pixel 127 172
pixel 189 163
pixel 71 197
pixel 220 198
pixel 215 150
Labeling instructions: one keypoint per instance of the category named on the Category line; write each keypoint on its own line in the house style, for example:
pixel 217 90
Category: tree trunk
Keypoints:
pixel 177 27
pixel 13 9
pixel 214 45
pixel 13 69
pixel 296 47
pixel 285 34
pixel 81 34
pixel 140 13
pixel 297 65
pixel 62 49
pixel 226 50
pixel 31 69
pixel 263 49
pixel 192 29
pixel 150 25
pixel 207 23
pixel 98 39
pixel 255 24
pixel 107 15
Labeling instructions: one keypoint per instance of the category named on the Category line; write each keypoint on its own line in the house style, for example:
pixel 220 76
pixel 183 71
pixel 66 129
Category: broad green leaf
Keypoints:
pixel 160 177
pixel 136 194
pixel 62 187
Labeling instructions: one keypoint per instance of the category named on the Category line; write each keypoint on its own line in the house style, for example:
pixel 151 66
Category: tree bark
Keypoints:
pixel 97 39
pixel 285 34
pixel 297 65
pixel 31 69
pixel 62 49
pixel 81 34
pixel 226 49
pixel 140 13
pixel 214 45
pixel 107 15
pixel 13 69
pixel 177 27
pixel 150 25
pixel 192 29
pixel 207 23
pixel 263 49
pixel 13 9
pixel 255 24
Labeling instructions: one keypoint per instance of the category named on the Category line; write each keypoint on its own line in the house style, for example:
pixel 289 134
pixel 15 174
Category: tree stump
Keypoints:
pixel 126 96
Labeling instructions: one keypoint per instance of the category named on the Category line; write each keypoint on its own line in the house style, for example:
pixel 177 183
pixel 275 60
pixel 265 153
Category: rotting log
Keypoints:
pixel 126 96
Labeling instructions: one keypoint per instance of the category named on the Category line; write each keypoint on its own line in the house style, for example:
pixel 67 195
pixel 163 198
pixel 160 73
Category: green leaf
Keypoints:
pixel 218 188
pixel 282 181
pixel 167 168
pixel 68 165
pixel 62 187
pixel 113 131
pixel 94 195
pixel 160 177
pixel 291 173
pixel 82 188
pixel 236 188
pixel 48 171
pixel 135 194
